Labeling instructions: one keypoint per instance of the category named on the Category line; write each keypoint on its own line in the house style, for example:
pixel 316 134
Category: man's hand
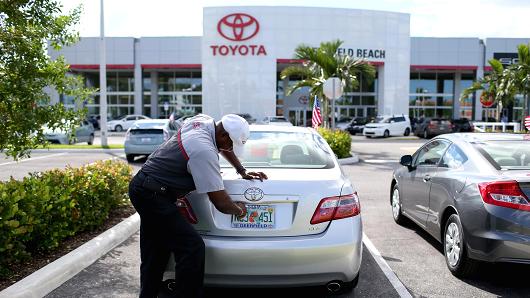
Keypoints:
pixel 253 175
pixel 243 209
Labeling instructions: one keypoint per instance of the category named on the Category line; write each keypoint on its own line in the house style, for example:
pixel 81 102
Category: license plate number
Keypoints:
pixel 258 217
pixel 146 140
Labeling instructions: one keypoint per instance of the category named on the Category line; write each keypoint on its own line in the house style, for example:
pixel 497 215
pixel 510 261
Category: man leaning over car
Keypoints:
pixel 188 161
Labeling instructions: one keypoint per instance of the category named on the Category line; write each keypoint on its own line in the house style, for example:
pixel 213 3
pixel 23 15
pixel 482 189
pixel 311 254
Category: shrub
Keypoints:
pixel 37 213
pixel 338 140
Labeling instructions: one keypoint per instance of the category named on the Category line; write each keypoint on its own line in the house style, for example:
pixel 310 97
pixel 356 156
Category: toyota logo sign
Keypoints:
pixel 253 194
pixel 238 27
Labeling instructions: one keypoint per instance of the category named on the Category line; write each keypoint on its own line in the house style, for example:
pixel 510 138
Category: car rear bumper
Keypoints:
pixel 139 149
pixel 503 237
pixel 285 261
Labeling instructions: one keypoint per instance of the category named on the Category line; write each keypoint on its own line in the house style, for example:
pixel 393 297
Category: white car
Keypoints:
pixel 386 126
pixel 124 122
pixel 303 226
pixel 276 120
pixel 83 133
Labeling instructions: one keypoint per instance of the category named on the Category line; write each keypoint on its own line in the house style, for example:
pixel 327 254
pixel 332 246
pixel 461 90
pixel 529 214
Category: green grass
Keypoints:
pixel 83 146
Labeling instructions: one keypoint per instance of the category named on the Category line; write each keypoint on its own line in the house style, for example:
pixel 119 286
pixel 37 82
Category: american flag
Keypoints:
pixel 316 119
pixel 527 122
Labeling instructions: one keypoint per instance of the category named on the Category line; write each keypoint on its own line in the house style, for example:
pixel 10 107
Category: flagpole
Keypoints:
pixel 102 79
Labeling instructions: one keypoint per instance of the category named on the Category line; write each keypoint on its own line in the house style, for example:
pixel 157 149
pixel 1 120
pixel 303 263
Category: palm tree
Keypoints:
pixel 490 85
pixel 322 63
pixel 516 78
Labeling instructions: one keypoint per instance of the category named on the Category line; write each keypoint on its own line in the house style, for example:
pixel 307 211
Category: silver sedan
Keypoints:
pixel 470 192
pixel 303 226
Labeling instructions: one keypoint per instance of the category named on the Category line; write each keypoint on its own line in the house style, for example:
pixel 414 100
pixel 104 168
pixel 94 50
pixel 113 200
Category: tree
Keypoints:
pixel 322 63
pixel 516 78
pixel 26 28
pixel 490 85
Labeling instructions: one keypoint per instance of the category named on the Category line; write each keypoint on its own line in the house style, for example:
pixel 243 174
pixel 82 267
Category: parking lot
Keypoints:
pixel 415 257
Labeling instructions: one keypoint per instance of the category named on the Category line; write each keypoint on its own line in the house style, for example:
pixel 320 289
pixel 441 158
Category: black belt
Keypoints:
pixel 155 186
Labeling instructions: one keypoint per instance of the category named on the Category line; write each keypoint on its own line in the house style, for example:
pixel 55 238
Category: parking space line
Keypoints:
pixel 379 160
pixel 33 158
pixel 394 280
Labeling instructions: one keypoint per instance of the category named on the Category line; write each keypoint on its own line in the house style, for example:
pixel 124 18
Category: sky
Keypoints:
pixel 428 18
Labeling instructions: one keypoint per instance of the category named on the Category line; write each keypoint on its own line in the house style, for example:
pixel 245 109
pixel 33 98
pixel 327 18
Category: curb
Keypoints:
pixel 51 276
pixel 349 160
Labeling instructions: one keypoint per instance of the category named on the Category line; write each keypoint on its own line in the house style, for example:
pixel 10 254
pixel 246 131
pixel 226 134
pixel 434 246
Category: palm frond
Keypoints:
pixel 296 70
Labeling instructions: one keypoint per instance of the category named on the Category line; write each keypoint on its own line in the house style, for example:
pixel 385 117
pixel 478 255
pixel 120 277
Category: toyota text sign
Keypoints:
pixel 237 28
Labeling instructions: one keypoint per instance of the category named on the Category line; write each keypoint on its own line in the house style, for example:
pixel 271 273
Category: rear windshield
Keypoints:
pixel 285 150
pixel 506 155
pixel 148 125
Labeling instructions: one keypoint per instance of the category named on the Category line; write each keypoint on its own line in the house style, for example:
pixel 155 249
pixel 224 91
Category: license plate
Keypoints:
pixel 146 140
pixel 258 217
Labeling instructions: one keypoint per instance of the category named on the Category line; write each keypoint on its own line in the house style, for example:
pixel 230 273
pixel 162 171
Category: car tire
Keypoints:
pixel 90 140
pixel 386 134
pixel 118 128
pixel 455 252
pixel 395 202
pixel 425 134
pixel 130 157
pixel 407 132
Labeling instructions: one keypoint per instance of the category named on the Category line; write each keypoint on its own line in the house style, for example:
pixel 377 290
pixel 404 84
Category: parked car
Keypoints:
pixel 430 127
pixel 463 125
pixel 276 120
pixel 124 122
pixel 385 126
pixel 343 122
pixel 470 192
pixel 248 117
pixel 144 136
pixel 83 133
pixel 357 125
pixel 304 220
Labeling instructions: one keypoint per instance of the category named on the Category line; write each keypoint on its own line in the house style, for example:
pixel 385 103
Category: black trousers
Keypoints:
pixel 163 230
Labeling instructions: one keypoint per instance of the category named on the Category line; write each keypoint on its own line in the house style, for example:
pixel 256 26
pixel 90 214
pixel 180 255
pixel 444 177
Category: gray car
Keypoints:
pixel 144 136
pixel 83 133
pixel 470 192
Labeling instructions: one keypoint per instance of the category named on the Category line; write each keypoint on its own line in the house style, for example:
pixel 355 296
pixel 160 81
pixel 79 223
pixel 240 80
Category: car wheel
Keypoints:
pixel 407 132
pixel 90 140
pixel 455 252
pixel 386 134
pixel 130 157
pixel 118 128
pixel 425 134
pixel 395 200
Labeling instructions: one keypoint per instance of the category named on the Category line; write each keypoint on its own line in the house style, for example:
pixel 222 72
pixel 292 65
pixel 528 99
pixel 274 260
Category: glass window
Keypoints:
pixel 165 81
pixel 454 158
pixel 112 81
pixel 445 83
pixel 285 150
pixel 506 155
pixel 368 100
pixel 125 81
pixel 146 78
pixel 430 154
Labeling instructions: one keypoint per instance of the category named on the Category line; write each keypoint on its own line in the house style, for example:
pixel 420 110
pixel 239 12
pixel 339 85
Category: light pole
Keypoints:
pixel 102 80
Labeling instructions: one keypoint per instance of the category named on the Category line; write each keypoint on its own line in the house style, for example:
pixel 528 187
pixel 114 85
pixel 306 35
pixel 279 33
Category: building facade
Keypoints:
pixel 235 66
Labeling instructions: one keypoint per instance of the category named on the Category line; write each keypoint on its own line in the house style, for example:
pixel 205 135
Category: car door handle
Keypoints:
pixel 426 178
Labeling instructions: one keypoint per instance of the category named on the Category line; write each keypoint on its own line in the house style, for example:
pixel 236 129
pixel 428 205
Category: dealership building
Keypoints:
pixel 235 66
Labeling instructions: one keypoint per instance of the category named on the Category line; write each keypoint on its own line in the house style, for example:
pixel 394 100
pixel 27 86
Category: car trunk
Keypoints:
pixel 146 136
pixel 522 177
pixel 289 197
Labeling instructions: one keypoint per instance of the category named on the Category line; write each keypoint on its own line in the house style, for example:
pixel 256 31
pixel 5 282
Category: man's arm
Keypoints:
pixel 240 169
pixel 222 202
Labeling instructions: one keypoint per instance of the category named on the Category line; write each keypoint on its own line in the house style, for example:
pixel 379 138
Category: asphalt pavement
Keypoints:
pixel 415 257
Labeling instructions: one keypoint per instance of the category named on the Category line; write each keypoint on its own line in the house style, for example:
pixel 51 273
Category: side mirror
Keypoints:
pixel 406 160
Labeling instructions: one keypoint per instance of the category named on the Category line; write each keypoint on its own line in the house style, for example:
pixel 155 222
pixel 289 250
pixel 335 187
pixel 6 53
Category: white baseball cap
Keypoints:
pixel 238 130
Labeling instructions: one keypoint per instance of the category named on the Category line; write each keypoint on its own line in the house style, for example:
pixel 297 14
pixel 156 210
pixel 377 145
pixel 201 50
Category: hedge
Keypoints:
pixel 338 140
pixel 44 208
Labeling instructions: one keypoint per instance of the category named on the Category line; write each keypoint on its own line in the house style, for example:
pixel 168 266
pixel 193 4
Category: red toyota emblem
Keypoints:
pixel 238 27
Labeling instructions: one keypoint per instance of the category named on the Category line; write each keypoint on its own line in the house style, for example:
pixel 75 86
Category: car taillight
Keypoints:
pixel 336 208
pixel 432 124
pixel 128 135
pixel 185 209
pixel 505 194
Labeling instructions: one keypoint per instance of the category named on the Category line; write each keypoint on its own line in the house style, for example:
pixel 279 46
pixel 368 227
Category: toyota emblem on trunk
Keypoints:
pixel 253 194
